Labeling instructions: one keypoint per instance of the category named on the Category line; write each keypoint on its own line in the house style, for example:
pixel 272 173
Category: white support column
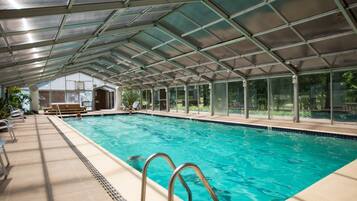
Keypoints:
pixel 186 99
pixel 296 99
pixel 246 110
pixel 227 98
pixel 152 99
pixel 35 98
pixel 211 94
pixel 176 100
pixel 118 98
pixel 167 99
pixel 269 97
pixel 198 98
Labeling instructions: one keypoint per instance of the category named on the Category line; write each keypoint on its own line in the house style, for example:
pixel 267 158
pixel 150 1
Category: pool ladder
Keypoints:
pixel 175 174
pixel 59 112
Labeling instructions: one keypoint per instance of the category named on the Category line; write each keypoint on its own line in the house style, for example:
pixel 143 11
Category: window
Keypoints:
pixel 258 98
pixel 281 103
pixel 345 96
pixel 236 98
pixel 156 99
pixel 173 98
pixel 314 96
pixel 193 98
pixel 180 99
pixel 220 98
pixel 204 98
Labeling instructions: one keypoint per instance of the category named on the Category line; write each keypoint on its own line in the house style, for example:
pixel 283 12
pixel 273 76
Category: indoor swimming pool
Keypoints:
pixel 241 163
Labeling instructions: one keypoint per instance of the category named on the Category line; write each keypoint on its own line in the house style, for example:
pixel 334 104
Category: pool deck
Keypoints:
pixel 45 167
pixel 304 125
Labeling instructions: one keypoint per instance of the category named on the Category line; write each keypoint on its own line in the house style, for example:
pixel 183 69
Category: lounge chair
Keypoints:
pixel 3 166
pixel 136 105
pixel 5 124
pixel 16 114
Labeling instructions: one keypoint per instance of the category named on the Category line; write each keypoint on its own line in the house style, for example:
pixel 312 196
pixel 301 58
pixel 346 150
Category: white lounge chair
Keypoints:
pixel 136 105
pixel 16 114
pixel 5 124
pixel 3 166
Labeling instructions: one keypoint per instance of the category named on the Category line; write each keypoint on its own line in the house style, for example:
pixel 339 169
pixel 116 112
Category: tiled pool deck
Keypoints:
pixel 46 167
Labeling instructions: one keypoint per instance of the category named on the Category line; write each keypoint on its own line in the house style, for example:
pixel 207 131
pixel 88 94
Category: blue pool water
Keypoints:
pixel 240 163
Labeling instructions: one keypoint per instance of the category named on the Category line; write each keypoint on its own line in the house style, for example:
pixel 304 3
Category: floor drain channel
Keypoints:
pixel 112 192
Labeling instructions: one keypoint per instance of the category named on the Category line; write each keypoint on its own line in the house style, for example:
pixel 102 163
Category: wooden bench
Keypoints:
pixel 65 108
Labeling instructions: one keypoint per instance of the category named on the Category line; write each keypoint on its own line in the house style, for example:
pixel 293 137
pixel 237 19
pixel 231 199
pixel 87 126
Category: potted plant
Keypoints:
pixel 129 97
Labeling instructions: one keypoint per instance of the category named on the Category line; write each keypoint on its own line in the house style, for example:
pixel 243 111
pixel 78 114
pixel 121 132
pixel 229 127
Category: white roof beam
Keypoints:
pixel 168 61
pixel 209 4
pixel 120 31
pixel 77 8
pixel 347 14
pixel 197 49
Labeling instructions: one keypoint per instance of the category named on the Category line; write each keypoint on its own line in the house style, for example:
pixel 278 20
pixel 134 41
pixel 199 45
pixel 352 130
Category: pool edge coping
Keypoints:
pixel 313 132
pixel 292 198
pixel 324 188
pixel 262 126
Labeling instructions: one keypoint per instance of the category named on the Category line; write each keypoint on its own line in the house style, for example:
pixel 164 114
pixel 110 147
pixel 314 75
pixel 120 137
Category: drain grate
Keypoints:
pixel 112 192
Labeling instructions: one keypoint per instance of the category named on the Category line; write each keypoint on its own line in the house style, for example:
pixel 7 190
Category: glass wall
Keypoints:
pixel 314 96
pixel 345 96
pixel 204 98
pixel 162 93
pixel 44 98
pixel 75 88
pixel 149 99
pixel 173 98
pixel 193 98
pixel 236 98
pixel 144 101
pixel 180 99
pixel 258 98
pixel 220 98
pixel 156 99
pixel 272 96
pixel 86 99
pixel 281 103
pixel 72 97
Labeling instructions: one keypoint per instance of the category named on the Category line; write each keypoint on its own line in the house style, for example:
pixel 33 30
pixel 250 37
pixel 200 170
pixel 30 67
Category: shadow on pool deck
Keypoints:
pixel 44 167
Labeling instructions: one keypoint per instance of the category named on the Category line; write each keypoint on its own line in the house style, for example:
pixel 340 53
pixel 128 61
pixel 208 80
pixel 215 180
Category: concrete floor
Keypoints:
pixel 313 125
pixel 44 167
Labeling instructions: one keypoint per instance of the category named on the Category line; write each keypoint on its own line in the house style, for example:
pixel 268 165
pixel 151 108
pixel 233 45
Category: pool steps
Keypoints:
pixel 173 177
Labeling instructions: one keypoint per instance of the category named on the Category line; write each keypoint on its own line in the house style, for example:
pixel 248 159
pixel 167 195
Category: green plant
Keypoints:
pixel 129 97
pixel 4 108
pixel 16 98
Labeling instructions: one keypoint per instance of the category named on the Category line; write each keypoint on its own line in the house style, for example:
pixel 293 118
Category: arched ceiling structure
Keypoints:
pixel 145 43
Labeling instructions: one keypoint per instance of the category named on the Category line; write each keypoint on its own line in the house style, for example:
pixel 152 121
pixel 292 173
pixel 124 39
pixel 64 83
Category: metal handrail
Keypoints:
pixel 172 165
pixel 198 173
pixel 59 110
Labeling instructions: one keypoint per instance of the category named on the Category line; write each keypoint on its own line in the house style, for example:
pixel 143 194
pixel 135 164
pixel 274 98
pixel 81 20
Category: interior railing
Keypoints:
pixel 59 111
pixel 172 165
pixel 175 174
pixel 198 173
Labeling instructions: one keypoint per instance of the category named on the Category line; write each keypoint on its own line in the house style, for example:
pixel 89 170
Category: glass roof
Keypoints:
pixel 160 42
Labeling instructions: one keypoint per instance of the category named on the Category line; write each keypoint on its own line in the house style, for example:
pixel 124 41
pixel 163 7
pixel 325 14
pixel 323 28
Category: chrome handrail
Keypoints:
pixel 59 110
pixel 198 173
pixel 172 165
